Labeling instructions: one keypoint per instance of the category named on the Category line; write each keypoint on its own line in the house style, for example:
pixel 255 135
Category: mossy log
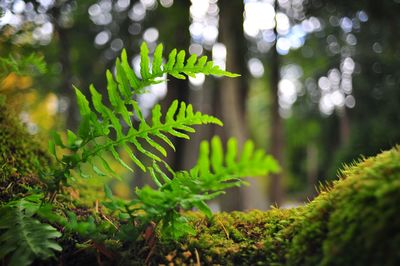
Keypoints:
pixel 354 221
pixel 21 154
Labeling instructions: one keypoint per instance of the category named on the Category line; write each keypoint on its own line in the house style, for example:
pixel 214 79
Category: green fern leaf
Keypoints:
pixel 157 61
pixel 133 79
pixel 83 103
pixel 23 238
pixel 144 61
pixel 113 94
pixel 171 60
pixel 123 82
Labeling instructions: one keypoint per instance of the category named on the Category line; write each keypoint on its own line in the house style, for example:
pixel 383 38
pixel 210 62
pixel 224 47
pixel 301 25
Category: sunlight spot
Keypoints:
pixel 149 4
pixel 102 38
pixel 196 48
pixel 198 80
pixel 346 24
pixel 377 47
pixel 283 23
pixel 337 98
pixel 122 5
pixel 283 46
pixel 138 12
pixel 362 16
pixel 150 35
pixel 256 67
pixel 117 45
pixel 324 83
pixel 210 34
pixel 350 101
pixel 18 7
pixel 219 55
pixel 167 3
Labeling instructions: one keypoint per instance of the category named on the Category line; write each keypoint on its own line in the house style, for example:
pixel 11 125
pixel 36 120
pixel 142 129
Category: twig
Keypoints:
pixel 197 257
pixel 223 227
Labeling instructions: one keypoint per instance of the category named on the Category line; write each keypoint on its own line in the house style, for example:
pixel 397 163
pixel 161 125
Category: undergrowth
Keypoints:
pixel 111 129
pixel 353 221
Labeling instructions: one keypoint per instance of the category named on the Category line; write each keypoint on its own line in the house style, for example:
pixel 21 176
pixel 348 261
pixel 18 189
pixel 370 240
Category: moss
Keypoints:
pixel 355 221
pixel 20 156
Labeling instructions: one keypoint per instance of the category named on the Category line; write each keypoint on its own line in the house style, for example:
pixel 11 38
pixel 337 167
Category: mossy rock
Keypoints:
pixel 355 221
pixel 20 156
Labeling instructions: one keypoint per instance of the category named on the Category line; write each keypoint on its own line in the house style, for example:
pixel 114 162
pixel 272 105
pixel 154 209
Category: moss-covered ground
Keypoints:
pixel 354 221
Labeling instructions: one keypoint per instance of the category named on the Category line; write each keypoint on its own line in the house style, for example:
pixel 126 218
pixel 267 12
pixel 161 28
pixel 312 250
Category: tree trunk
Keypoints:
pixel 232 98
pixel 66 74
pixel 179 89
pixel 277 140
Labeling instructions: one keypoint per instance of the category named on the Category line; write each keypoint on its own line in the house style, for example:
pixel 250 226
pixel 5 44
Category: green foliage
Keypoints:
pixel 22 65
pixel 111 129
pixel 175 66
pixel 213 173
pixel 101 129
pixel 23 237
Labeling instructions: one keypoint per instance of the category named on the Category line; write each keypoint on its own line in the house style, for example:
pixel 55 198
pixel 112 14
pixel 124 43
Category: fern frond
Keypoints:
pixel 104 124
pixel 23 65
pixel 101 128
pixel 218 171
pixel 215 165
pixel 22 237
pixel 214 172
pixel 176 66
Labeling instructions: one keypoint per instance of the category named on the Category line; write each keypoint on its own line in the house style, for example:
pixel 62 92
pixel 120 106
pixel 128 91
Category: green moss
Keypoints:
pixel 20 154
pixel 355 221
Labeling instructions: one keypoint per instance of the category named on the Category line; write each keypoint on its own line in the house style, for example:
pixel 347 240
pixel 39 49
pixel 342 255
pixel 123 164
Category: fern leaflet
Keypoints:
pixel 23 237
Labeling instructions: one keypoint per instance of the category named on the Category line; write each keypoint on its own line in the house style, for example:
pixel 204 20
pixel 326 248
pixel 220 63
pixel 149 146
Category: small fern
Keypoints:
pixel 22 65
pixel 22 236
pixel 110 129
pixel 213 173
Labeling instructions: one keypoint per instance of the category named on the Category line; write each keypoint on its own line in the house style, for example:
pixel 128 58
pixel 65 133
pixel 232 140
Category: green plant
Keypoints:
pixel 100 130
pixel 22 65
pixel 24 236
pixel 213 173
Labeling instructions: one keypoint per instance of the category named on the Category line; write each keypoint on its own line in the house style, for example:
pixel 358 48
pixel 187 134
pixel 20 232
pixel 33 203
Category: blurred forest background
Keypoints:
pixel 319 85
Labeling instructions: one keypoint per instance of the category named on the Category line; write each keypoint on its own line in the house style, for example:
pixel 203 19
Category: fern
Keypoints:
pixel 101 129
pixel 23 237
pixel 175 66
pixel 213 173
pixel 110 129
pixel 22 65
